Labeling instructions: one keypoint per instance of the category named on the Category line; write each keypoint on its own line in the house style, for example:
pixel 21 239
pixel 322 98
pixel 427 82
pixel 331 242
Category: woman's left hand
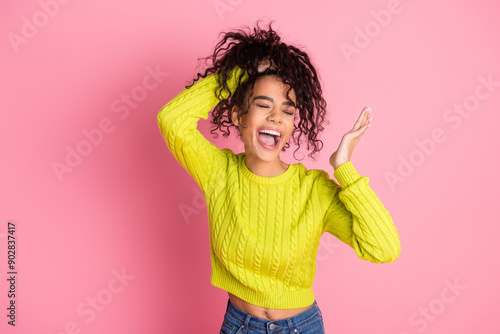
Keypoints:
pixel 350 139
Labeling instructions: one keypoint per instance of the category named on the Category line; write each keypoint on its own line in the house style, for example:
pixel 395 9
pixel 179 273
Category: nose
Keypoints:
pixel 275 115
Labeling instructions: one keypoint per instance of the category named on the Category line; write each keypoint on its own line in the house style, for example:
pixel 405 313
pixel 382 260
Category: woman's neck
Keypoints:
pixel 265 168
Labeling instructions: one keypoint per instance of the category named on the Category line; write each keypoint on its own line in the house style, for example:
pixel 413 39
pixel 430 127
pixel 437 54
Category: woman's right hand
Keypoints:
pixel 264 64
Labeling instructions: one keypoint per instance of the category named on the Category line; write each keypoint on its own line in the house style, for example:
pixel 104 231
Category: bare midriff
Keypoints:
pixel 263 312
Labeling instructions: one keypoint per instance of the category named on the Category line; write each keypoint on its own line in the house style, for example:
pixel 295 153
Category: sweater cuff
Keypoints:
pixel 346 174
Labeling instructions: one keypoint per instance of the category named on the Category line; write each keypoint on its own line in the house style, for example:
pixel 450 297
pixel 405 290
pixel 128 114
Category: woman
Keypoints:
pixel 266 217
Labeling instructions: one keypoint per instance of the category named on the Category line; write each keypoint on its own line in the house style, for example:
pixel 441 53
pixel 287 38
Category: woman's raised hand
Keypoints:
pixel 264 64
pixel 350 139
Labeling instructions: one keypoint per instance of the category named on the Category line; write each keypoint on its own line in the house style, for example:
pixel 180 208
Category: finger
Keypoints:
pixel 368 117
pixel 359 121
pixel 368 111
pixel 363 129
pixel 362 118
pixel 365 113
pixel 358 133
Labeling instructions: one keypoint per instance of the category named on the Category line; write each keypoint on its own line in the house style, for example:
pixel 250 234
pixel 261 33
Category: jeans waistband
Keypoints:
pixel 280 325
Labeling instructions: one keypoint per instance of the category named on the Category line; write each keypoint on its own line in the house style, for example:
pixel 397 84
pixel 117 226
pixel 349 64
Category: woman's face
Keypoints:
pixel 270 110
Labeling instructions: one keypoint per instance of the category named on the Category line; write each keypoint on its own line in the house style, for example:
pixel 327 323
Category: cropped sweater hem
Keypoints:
pixel 269 299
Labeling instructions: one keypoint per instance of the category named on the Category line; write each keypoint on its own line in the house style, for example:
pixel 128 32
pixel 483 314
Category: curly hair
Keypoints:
pixel 293 67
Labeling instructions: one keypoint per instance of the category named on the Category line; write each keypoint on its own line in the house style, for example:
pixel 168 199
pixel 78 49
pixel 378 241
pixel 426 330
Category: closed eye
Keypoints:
pixel 264 106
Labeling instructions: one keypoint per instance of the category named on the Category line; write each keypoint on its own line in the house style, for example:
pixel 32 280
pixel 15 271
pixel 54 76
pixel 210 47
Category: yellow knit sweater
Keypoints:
pixel 265 231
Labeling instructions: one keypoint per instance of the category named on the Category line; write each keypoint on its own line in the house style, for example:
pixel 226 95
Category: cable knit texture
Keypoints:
pixel 265 231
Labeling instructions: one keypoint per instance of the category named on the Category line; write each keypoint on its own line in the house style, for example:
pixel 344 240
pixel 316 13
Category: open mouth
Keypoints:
pixel 269 139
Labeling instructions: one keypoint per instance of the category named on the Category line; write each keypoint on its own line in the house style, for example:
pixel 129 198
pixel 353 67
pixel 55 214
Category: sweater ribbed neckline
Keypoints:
pixel 266 180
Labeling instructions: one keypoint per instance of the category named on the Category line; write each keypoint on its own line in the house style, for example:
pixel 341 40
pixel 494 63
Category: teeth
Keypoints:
pixel 271 132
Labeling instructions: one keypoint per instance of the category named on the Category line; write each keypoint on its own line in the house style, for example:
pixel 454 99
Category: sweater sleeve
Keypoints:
pixel 178 121
pixel 358 218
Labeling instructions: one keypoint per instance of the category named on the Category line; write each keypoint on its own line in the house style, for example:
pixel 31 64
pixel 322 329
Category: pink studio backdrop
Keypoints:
pixel 114 238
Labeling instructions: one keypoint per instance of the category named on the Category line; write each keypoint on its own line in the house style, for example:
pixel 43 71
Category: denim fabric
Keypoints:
pixel 237 321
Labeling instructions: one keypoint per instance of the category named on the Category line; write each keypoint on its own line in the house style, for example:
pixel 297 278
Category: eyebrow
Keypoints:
pixel 270 99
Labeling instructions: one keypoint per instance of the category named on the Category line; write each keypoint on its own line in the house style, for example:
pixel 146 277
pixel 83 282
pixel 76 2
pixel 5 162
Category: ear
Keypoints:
pixel 234 115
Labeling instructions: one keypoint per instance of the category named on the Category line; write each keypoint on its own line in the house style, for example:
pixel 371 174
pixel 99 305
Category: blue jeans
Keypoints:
pixel 237 321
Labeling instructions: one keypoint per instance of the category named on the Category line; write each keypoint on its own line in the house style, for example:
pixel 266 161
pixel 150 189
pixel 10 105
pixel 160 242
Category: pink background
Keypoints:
pixel 119 209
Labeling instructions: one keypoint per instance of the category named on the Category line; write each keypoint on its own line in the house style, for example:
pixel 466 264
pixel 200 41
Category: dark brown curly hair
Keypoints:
pixel 293 67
